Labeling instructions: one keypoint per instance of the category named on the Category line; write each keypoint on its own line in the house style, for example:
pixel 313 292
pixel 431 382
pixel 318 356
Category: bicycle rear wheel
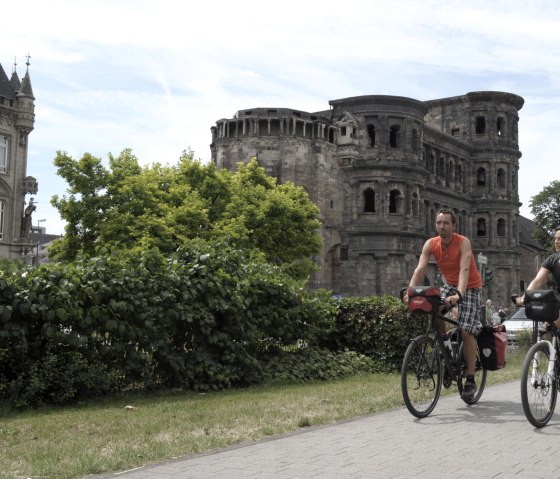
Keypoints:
pixel 479 376
pixel 538 387
pixel 421 376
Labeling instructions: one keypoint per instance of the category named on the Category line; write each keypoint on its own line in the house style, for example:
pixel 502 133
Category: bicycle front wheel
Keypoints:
pixel 538 387
pixel 479 375
pixel 421 376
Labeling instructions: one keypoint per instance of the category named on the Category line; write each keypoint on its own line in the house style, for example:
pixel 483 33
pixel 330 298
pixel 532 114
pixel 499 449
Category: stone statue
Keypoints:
pixel 26 220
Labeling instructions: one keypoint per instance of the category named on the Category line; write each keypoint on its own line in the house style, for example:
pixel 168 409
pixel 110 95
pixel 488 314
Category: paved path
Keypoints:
pixel 491 439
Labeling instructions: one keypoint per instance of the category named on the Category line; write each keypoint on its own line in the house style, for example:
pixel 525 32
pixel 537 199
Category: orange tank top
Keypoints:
pixel 450 259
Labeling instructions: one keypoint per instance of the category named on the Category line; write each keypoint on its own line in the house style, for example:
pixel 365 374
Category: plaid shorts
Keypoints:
pixel 468 310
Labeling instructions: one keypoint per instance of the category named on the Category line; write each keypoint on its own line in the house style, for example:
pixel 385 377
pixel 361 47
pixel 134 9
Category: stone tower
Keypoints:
pixel 379 167
pixel 17 117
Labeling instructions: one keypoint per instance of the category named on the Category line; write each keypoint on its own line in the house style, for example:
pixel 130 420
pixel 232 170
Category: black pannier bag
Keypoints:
pixel 542 304
pixel 423 299
pixel 492 345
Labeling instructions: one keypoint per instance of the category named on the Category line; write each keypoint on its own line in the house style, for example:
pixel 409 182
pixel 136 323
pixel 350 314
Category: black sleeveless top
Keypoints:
pixel 552 263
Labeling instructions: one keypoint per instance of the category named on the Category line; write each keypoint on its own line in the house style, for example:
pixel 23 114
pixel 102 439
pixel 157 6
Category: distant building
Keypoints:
pixel 17 117
pixel 379 167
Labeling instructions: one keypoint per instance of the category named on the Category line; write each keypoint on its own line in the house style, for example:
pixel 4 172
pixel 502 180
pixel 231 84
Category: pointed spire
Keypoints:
pixel 14 80
pixel 25 89
pixel 6 89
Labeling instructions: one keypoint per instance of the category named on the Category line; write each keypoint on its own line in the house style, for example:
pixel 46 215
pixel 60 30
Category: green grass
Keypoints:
pixel 121 433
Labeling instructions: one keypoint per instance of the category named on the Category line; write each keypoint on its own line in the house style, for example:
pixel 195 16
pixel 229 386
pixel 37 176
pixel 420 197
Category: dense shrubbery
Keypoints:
pixel 377 327
pixel 206 317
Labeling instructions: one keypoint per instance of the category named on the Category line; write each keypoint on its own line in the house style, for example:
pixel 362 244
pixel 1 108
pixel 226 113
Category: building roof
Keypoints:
pixel 6 88
pixel 526 228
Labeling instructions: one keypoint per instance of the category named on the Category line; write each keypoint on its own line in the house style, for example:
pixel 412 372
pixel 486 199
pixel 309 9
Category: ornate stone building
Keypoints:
pixel 17 117
pixel 379 167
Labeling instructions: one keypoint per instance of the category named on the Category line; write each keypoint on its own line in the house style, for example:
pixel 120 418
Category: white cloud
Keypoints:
pixel 155 76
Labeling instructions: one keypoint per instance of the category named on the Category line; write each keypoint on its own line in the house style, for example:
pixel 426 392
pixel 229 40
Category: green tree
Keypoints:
pixel 128 206
pixel 545 207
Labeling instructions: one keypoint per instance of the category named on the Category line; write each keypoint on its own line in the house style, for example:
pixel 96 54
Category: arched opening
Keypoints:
pixel 501 227
pixel 369 201
pixel 481 177
pixel 501 178
pixel 395 201
pixel 371 134
pixel 481 227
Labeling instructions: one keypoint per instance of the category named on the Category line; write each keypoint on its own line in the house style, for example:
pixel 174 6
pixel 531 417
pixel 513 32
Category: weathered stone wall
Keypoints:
pixel 379 167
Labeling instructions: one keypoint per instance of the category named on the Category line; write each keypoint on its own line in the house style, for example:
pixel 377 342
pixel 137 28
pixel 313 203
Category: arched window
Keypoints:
pixel 501 178
pixel 369 201
pixel 480 125
pixel 371 134
pixel 501 227
pixel 415 204
pixel 441 166
pixel 481 227
pixel 394 136
pixel 414 140
pixel 481 177
pixel 395 201
pixel 500 125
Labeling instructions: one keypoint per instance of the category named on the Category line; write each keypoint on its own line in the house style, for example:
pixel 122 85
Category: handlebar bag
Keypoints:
pixel 542 304
pixel 423 299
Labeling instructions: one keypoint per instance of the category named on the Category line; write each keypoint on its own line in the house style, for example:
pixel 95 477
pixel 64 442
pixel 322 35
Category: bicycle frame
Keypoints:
pixel 448 360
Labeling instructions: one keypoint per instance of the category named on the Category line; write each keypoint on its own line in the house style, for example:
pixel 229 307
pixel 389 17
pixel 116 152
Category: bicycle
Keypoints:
pixel 429 363
pixel 540 374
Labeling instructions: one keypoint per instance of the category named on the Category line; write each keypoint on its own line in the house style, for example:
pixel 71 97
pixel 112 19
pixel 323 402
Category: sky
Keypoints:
pixel 155 76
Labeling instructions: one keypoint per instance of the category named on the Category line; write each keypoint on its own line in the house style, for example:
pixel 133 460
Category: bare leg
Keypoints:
pixel 470 351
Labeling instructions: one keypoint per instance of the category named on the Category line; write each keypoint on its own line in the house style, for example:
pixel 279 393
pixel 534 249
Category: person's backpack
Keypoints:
pixel 492 345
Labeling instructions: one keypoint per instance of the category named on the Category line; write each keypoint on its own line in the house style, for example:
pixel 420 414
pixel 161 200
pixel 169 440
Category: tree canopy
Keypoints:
pixel 129 206
pixel 545 207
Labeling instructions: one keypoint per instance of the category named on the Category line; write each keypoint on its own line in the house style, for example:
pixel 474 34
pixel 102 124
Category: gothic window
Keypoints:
pixel 395 201
pixel 501 178
pixel 371 134
pixel 481 177
pixel 369 201
pixel 500 124
pixel 394 136
pixel 501 227
pixel 3 154
pixel 480 125
pixel 481 227
pixel 414 140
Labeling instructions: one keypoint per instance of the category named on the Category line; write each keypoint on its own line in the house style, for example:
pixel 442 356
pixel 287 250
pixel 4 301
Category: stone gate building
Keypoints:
pixel 379 167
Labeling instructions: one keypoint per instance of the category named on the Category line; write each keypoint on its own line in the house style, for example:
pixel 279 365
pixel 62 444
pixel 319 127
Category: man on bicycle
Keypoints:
pixel 455 259
pixel 550 265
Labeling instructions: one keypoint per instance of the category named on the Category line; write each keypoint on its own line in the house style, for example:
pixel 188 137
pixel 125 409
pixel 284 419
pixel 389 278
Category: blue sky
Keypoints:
pixel 154 76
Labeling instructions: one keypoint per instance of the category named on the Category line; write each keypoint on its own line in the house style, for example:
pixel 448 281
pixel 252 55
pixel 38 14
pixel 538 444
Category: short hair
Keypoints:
pixel 447 211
